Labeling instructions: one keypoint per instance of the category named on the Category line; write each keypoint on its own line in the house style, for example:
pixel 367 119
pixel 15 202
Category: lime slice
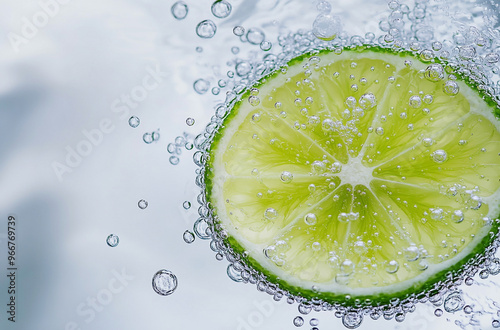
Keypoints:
pixel 365 175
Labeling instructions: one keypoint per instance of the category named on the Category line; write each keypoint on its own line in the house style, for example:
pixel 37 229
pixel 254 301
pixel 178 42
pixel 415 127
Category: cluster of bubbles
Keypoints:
pixel 180 142
pixel 149 138
pixel 471 53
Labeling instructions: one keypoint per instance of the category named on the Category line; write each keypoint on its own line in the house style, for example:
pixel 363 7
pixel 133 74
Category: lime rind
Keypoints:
pixel 436 282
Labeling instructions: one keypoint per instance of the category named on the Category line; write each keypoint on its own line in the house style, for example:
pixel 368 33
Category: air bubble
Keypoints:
pixel 427 142
pixel 367 101
pixel 221 8
pixel 392 267
pixel 174 160
pixel 451 88
pixel 164 282
pixel 439 156
pixel 243 68
pixel 347 267
pixel 179 10
pixel 454 302
pixel 186 205
pixel 318 167
pixel 234 274
pixel 147 138
pixel 112 240
pixel 270 214
pixel 255 36
pixel 298 321
pixel 412 253
pixel 238 31
pixel 352 320
pixel 206 29
pixel 379 131
pixel 437 214
pixel 201 86
pixel 467 52
pixel 286 177
pixel 457 216
pixel 142 204
pixel 326 27
pixel 415 102
pixel 314 322
pixel 134 121
pixel 254 101
pixel 438 312
pixel 434 72
pixel 189 121
pixel 188 237
pixel 266 45
pixel 310 219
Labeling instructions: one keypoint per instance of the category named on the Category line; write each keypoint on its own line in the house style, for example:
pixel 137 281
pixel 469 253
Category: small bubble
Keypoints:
pixel 233 273
pixel 457 216
pixel 266 45
pixel 179 10
pixel 495 324
pixel 428 99
pixel 367 101
pixel 201 86
pixel 426 55
pixel 174 160
pixel 324 7
pixel 492 58
pixel 439 156
pixel 188 237
pixel 427 142
pixel 189 121
pixel 392 267
pixel 255 36
pixel 454 302
pixel 254 101
pixel 298 321
pixel 436 46
pixel 467 52
pixel 326 27
pixel 438 312
pixel 221 8
pixel 155 136
pixel 147 138
pixel 434 72
pixel 451 87
pixel 164 282
pixel 134 121
pixel 415 101
pixel 467 309
pixel 379 131
pixel 437 214
pixel 142 204
pixel 316 246
pixel 206 29
pixel 199 49
pixel 352 320
pixel 239 31
pixel 112 240
pixel 243 68
pixel 310 219
pixel 286 177
pixel 412 253
pixel 270 214
pixel 186 205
